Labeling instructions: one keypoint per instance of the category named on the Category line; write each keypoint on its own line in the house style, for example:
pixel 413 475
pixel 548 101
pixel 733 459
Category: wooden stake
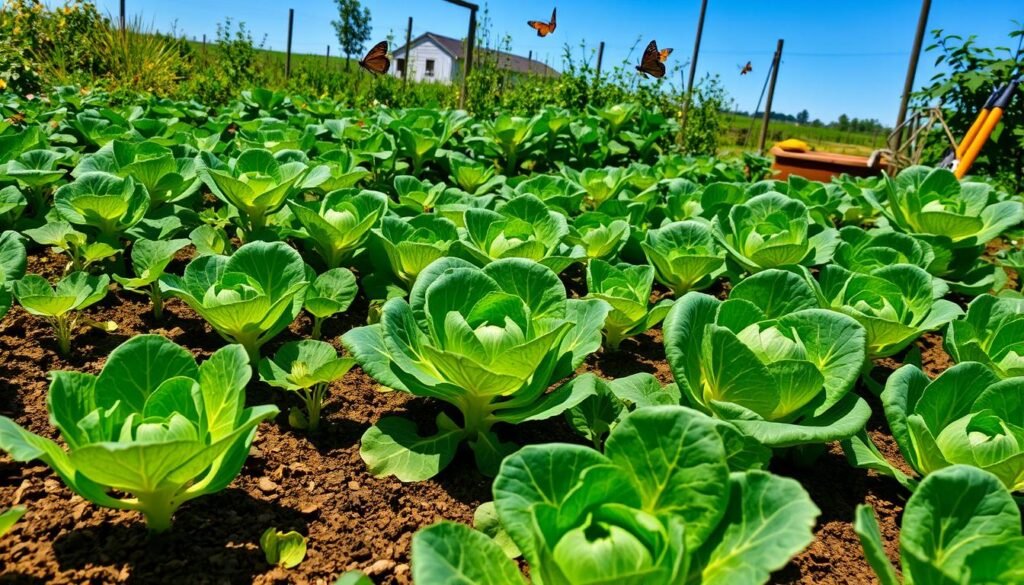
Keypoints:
pixel 693 69
pixel 908 84
pixel 288 55
pixel 405 64
pixel 771 94
pixel 600 59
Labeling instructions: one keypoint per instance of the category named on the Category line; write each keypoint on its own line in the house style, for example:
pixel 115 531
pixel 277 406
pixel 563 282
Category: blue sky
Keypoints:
pixel 840 56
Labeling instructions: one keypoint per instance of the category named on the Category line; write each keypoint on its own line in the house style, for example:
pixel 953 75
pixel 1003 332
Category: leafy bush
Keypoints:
pixel 658 507
pixel 769 361
pixel 489 341
pixel 152 424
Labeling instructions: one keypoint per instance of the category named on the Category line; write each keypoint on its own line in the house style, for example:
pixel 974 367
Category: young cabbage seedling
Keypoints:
pixel 149 259
pixel 307 368
pixel 283 549
pixel 62 305
pixel 628 290
pixel 75 244
pixel 331 293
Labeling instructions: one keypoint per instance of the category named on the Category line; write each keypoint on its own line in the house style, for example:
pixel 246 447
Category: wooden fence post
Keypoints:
pixel 693 70
pixel 771 94
pixel 288 55
pixel 405 64
pixel 600 59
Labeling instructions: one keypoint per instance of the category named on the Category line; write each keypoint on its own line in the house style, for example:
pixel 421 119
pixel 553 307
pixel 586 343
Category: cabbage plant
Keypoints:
pixel 306 368
pixel 992 332
pixel 248 297
pixel 167 178
pixel 522 228
pixel 932 202
pixel 896 304
pixel 956 218
pixel 152 431
pixel 61 305
pixel 866 250
pixel 598 234
pixel 257 183
pixel 769 360
pixel 149 260
pixel 106 203
pixel 772 230
pixel 967 415
pixel 339 225
pixel 410 245
pixel 627 290
pixel 490 341
pixel 658 507
pixel 685 256
pixel 960 526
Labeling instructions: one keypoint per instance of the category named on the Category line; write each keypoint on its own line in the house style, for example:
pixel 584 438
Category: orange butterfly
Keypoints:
pixel 376 61
pixel 544 28
pixel 652 63
pixel 746 68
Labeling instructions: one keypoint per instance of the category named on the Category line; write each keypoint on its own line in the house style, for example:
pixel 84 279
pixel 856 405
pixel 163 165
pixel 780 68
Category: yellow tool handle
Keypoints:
pixel 982 137
pixel 961 148
pixel 972 133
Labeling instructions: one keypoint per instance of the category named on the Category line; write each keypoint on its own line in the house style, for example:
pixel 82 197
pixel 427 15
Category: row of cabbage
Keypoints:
pixel 459 250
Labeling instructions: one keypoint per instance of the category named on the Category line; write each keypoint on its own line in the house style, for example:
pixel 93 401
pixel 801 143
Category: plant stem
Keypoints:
pixel 317 323
pixel 476 414
pixel 158 508
pixel 63 326
pixel 314 400
pixel 158 301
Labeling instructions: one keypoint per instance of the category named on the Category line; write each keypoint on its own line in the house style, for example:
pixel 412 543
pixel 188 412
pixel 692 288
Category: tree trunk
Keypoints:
pixel 348 61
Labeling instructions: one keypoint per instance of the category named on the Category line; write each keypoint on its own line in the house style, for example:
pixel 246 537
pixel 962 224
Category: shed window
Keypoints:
pixel 401 67
pixel 430 68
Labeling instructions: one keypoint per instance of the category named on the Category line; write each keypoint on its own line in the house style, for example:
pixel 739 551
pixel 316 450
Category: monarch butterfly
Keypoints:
pixel 652 63
pixel 746 68
pixel 376 61
pixel 544 28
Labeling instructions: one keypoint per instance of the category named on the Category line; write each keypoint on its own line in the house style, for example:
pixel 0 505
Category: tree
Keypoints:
pixel 803 116
pixel 352 28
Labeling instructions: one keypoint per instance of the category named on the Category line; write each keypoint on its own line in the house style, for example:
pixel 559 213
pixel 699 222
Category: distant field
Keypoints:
pixel 738 130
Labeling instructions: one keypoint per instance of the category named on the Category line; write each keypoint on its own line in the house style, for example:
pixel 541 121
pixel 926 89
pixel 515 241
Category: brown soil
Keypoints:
pixel 318 485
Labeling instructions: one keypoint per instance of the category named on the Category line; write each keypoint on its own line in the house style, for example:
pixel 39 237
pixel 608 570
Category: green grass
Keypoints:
pixel 741 130
pixel 275 60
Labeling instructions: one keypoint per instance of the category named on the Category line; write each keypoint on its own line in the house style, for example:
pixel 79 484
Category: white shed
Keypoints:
pixel 434 57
